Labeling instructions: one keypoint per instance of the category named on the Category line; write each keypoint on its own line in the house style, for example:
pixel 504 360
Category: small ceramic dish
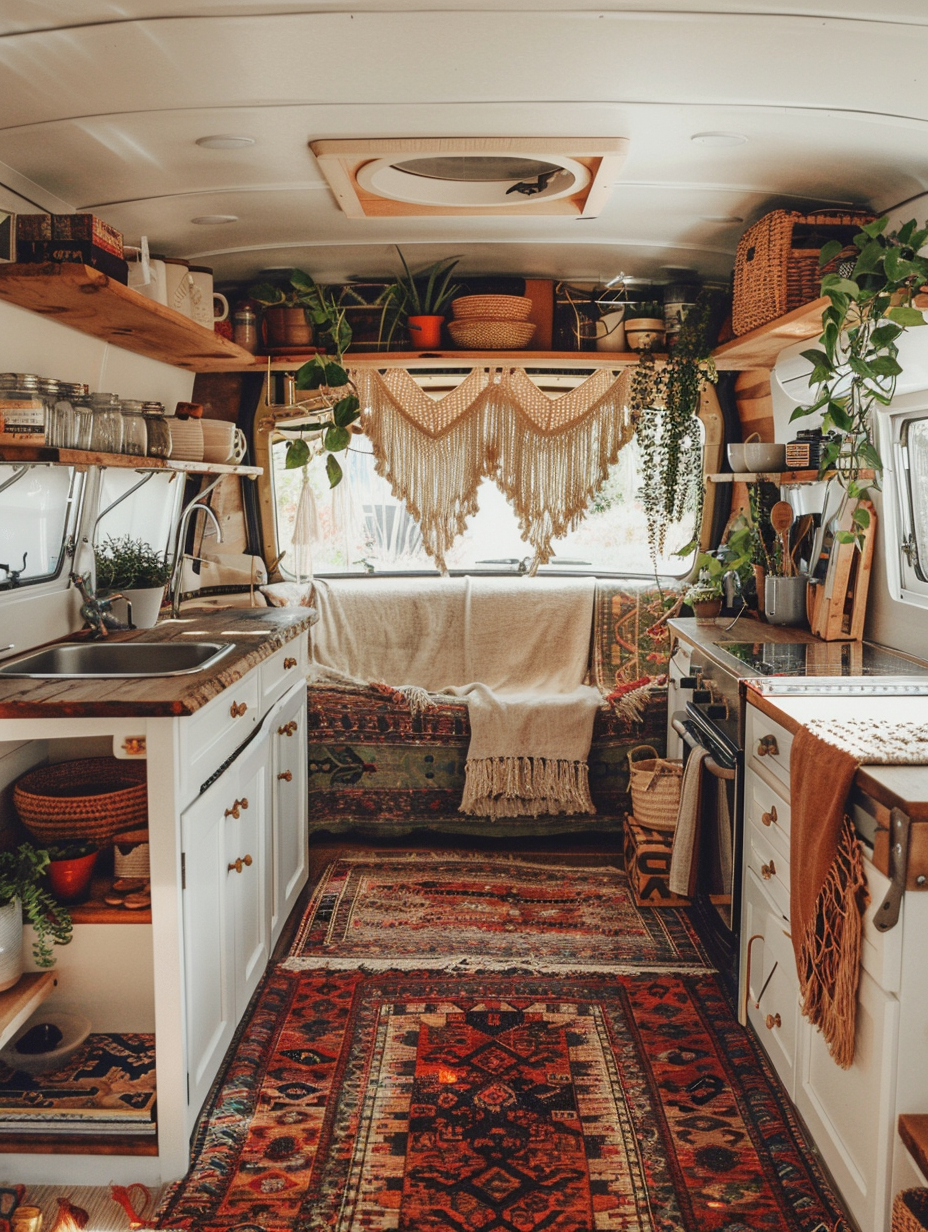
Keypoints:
pixel 64 1034
pixel 760 456
pixel 736 458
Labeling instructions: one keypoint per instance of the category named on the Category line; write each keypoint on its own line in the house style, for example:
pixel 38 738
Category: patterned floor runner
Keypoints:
pixel 430 1101
pixel 423 909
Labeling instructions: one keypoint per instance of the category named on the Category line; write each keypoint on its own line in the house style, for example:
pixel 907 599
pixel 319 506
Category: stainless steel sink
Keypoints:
pixel 80 660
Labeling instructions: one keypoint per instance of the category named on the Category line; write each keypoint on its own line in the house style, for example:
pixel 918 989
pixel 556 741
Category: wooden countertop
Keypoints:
pixel 255 634
pixel 744 629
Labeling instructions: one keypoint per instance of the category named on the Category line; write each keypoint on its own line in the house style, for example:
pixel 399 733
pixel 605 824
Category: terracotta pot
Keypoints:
pixel 706 611
pixel 644 333
pixel 425 332
pixel 69 880
pixel 286 328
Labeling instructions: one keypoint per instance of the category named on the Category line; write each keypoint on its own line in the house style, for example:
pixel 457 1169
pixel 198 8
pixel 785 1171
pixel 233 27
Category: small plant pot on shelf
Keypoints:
pixel 70 876
pixel 644 334
pixel 145 603
pixel 425 332
pixel 286 329
pixel 706 610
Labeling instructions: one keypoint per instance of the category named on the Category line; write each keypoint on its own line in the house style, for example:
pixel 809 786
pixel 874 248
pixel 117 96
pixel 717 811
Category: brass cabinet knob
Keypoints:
pixel 234 810
pixel 288 663
pixel 288 728
pixel 240 863
pixel 767 747
pixel 772 1020
pixel 769 818
pixel 237 709
pixel 768 870
pixel 286 775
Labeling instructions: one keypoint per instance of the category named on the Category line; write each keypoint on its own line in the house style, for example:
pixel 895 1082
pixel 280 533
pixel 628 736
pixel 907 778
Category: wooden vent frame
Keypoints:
pixel 340 162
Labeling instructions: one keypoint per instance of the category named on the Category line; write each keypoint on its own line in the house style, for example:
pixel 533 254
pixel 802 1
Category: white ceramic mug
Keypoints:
pixel 186 440
pixel 222 441
pixel 204 308
pixel 156 287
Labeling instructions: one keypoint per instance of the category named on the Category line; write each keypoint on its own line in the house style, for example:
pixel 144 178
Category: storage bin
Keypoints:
pixel 647 865
pixel 654 783
pixel 92 798
pixel 776 265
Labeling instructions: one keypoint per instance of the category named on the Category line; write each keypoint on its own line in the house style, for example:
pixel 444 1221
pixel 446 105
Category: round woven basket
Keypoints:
pixel 655 787
pixel 92 798
pixel 475 335
pixel 492 307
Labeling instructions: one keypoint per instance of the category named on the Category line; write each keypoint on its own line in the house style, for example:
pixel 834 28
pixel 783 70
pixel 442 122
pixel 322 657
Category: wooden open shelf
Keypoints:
pixel 780 477
pixel 82 458
pixel 95 304
pixel 462 359
pixel 78 1144
pixel 18 1003
pixel 96 911
pixel 760 347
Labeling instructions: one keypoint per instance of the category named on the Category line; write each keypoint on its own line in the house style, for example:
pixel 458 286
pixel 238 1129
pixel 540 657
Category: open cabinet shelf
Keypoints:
pixel 95 304
pixel 760 347
pixel 82 458
pixel 20 1001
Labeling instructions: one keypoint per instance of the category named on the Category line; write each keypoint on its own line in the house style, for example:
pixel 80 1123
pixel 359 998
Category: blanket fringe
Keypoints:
pixel 525 787
pixel 829 958
pixel 467 964
pixel 629 701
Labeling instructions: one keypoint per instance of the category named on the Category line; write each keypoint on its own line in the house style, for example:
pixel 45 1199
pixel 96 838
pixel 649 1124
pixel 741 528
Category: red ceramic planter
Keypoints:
pixel 69 880
pixel 425 332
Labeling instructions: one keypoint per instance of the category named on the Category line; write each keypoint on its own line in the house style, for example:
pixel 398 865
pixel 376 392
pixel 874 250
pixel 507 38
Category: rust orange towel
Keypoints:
pixel 827 889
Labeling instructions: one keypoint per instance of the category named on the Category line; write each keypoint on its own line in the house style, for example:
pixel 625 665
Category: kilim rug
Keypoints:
pixel 425 909
pixel 431 1101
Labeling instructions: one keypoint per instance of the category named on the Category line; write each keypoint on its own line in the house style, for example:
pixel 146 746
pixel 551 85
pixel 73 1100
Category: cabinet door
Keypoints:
pixel 771 984
pixel 289 828
pixel 209 977
pixel 246 872
pixel 850 1112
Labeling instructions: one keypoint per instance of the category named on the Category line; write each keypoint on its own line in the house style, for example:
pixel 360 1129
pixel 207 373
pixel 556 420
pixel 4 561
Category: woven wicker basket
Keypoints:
pixel 93 798
pixel 910 1210
pixel 478 335
pixel 492 307
pixel 773 275
pixel 654 783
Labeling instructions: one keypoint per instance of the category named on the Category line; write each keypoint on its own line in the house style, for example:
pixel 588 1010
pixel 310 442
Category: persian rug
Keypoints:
pixel 426 1101
pixel 428 909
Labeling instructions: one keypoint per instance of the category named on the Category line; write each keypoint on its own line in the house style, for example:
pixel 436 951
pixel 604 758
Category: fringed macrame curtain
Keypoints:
pixel 549 456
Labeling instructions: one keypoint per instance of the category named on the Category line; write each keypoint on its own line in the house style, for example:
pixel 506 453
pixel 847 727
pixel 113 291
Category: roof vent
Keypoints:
pixel 499 175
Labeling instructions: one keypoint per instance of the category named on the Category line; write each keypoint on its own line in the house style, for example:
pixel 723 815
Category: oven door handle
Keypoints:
pixel 709 761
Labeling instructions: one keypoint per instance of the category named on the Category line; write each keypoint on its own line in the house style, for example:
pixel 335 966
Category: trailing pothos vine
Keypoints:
pixel 856 364
pixel 665 401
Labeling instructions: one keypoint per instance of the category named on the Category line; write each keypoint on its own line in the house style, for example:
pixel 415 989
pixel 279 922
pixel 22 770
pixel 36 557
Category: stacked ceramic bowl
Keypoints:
pixel 491 322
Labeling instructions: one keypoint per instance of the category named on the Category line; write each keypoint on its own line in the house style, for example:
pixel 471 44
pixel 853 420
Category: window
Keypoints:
pixel 38 507
pixel 363 528
pixel 911 455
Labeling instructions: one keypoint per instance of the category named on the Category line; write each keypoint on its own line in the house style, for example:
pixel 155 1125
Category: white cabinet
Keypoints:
pixel 771 983
pixel 226 934
pixel 289 842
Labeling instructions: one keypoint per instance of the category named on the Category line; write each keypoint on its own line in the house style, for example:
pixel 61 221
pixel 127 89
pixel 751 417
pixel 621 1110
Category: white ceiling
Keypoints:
pixel 101 104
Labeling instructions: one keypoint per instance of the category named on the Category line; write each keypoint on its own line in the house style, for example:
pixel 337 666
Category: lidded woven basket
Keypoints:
pixel 654 783
pixel 92 798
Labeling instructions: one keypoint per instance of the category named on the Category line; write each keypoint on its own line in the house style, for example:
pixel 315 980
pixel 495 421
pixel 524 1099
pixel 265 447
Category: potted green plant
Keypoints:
pixel 22 891
pixel 704 596
pixel 286 314
pixel 644 325
pixel 137 572
pixel 418 302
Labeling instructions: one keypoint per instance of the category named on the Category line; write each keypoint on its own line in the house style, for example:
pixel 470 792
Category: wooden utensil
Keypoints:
pixel 803 526
pixel 781 519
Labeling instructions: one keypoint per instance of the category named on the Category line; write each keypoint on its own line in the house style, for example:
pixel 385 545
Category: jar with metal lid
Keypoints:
pixel 72 398
pixel 245 326
pixel 134 432
pixel 22 409
pixel 156 427
pixel 106 424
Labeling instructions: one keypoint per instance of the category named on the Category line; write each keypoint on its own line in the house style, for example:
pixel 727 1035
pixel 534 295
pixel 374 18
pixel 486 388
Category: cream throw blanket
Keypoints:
pixel 516 649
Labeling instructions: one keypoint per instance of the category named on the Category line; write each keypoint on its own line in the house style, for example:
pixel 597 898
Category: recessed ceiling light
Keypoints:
pixel 213 220
pixel 719 138
pixel 721 218
pixel 223 141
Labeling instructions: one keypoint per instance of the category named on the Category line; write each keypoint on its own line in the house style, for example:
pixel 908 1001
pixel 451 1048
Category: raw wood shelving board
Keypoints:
pixel 780 477
pixel 464 359
pixel 760 347
pixel 19 1002
pixel 82 458
pixel 89 301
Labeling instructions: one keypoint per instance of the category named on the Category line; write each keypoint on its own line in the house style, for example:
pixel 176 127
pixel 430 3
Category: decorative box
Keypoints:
pixel 647 865
pixel 68 252
pixel 79 228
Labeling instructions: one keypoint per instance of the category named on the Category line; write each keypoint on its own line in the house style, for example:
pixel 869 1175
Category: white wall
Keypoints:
pixel 31 616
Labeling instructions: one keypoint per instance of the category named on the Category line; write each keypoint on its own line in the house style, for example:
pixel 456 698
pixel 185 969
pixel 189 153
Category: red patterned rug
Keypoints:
pixel 430 1101
pixel 425 909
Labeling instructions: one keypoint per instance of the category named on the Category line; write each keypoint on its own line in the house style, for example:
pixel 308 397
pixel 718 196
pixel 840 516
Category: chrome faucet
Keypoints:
pixel 177 570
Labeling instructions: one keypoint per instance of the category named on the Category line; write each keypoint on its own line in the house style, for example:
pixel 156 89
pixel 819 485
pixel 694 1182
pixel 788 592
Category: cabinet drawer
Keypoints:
pixel 772 986
pixel 771 866
pixel 282 670
pixel 215 732
pixel 767 809
pixel 767 744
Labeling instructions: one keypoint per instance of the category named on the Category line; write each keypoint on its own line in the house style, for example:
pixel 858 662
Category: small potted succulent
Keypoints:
pixel 705 598
pixel 137 572
pixel 418 302
pixel 644 326
pixel 22 891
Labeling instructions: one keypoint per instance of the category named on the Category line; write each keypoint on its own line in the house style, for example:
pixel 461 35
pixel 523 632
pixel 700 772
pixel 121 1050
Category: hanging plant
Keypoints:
pixel 336 395
pixel 665 400
pixel 856 365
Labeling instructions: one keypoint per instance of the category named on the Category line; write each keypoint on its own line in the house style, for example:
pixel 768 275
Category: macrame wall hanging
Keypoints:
pixel 548 456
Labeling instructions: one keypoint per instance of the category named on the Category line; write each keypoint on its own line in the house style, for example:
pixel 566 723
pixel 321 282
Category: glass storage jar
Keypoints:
pixel 106 424
pixel 22 409
pixel 158 433
pixel 134 432
pixel 73 401
pixel 49 388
